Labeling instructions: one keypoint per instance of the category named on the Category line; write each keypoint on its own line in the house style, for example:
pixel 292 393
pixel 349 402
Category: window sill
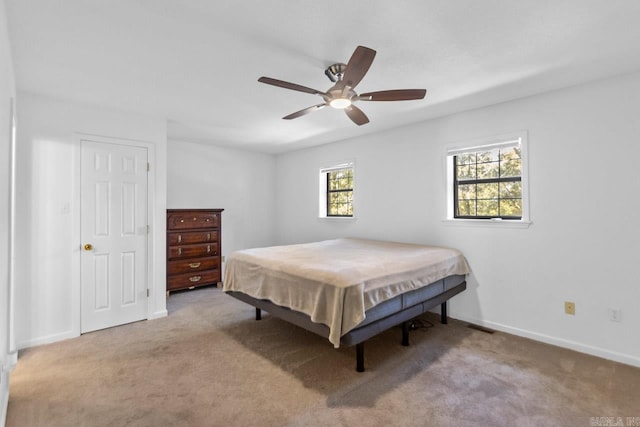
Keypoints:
pixel 491 223
pixel 336 218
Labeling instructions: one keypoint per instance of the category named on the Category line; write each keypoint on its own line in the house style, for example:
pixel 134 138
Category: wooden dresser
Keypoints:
pixel 193 248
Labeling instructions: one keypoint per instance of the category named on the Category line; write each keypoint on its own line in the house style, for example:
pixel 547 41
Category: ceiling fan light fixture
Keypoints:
pixel 340 103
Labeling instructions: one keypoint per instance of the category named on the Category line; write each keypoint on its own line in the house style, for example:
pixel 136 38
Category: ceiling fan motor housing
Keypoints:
pixel 340 93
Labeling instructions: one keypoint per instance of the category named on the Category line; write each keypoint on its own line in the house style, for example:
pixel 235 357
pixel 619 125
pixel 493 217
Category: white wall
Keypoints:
pixel 583 245
pixel 240 182
pixel 47 211
pixel 7 93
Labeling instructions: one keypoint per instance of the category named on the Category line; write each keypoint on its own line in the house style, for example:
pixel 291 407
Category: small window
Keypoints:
pixel 488 180
pixel 336 191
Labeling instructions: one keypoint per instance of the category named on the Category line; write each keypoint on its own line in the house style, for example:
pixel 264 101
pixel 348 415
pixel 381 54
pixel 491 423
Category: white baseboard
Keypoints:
pixel 627 359
pixel 4 397
pixel 158 314
pixel 6 366
pixel 69 334
pixel 47 339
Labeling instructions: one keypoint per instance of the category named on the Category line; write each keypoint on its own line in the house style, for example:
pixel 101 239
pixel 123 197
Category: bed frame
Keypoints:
pixel 390 313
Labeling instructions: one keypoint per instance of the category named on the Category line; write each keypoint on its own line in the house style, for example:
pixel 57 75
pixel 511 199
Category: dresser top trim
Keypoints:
pixel 193 210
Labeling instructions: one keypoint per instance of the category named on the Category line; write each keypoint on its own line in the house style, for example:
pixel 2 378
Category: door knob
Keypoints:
pixel 88 247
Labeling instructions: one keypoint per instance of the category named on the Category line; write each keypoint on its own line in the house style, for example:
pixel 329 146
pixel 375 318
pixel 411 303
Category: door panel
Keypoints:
pixel 128 278
pixel 101 281
pixel 114 234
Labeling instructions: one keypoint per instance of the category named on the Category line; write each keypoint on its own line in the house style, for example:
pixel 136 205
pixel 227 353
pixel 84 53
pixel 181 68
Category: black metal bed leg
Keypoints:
pixel 258 314
pixel 443 313
pixel 360 357
pixel 405 333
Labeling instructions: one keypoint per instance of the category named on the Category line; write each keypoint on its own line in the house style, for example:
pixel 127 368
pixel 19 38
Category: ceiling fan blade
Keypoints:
pixel 287 85
pixel 304 112
pixel 393 95
pixel 356 115
pixel 357 66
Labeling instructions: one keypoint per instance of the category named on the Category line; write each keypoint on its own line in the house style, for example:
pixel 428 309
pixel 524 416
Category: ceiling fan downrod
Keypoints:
pixel 335 72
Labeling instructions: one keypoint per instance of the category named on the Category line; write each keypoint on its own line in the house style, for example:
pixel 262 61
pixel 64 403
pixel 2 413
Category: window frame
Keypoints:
pixel 323 199
pixel 485 144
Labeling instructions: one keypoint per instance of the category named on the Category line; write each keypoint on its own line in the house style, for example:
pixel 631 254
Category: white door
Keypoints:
pixel 114 234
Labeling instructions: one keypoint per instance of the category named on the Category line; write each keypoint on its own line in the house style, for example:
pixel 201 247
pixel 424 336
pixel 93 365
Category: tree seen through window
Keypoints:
pixel 340 192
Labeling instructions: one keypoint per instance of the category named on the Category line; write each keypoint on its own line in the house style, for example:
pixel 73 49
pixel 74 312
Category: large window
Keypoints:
pixel 336 191
pixel 488 180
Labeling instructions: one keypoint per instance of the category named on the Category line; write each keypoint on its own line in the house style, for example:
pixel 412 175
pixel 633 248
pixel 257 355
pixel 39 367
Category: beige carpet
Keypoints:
pixel 211 364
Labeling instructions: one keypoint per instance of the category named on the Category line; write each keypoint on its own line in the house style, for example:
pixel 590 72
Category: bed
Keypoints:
pixel 347 290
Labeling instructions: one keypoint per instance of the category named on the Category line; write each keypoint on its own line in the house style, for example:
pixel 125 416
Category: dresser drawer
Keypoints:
pixel 191 220
pixel 193 265
pixel 192 251
pixel 188 280
pixel 186 237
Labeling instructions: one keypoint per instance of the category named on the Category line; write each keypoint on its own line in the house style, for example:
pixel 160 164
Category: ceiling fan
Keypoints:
pixel 342 94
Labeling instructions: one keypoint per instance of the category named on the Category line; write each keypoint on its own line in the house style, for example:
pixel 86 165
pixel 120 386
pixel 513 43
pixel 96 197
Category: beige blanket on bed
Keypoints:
pixel 336 281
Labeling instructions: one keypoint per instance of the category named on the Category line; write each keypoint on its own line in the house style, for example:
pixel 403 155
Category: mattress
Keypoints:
pixel 335 282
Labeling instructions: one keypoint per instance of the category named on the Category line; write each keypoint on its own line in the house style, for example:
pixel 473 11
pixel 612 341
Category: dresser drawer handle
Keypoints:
pixel 182 220
pixel 179 251
pixel 195 219
pixel 194 264
pixel 179 238
pixel 208 248
pixel 207 220
pixel 208 235
pixel 195 278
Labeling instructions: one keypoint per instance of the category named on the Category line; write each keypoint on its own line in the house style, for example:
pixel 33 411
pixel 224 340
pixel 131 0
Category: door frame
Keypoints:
pixel 76 238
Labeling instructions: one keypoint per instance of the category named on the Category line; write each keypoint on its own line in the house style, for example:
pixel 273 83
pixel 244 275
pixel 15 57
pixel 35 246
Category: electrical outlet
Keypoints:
pixel 570 308
pixel 615 315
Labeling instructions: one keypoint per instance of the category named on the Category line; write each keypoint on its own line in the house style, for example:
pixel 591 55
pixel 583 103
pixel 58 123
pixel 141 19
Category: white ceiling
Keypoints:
pixel 196 62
